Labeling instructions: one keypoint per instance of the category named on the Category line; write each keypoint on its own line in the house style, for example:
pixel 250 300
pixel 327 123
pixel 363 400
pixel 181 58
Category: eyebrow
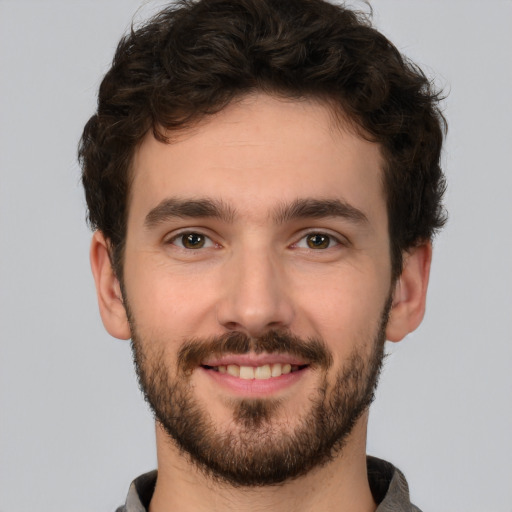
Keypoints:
pixel 188 208
pixel 319 209
pixel 306 208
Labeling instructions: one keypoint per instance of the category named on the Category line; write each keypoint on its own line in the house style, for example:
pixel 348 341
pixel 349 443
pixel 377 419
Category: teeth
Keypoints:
pixel 246 372
pixel 260 372
pixel 234 370
pixel 276 370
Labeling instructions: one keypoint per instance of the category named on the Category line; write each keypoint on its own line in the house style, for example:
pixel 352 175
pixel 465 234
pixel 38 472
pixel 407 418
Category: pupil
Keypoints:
pixel 318 241
pixel 193 240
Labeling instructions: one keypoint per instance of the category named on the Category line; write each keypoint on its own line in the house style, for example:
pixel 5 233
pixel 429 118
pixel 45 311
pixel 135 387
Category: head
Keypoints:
pixel 264 180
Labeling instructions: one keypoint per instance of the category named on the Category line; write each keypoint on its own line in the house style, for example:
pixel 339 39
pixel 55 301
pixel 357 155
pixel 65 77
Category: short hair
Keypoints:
pixel 196 56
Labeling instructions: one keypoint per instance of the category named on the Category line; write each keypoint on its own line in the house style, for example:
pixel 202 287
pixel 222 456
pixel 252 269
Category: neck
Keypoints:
pixel 341 485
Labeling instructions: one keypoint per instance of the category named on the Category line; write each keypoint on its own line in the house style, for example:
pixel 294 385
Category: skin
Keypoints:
pixel 257 273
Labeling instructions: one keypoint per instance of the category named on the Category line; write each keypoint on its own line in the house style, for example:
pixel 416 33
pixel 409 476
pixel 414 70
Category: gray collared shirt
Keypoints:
pixel 387 483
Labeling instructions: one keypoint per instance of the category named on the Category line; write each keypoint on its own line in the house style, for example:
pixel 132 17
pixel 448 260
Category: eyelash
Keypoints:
pixel 181 236
pixel 330 240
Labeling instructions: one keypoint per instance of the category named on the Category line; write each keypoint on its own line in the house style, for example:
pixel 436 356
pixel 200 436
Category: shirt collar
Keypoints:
pixel 387 483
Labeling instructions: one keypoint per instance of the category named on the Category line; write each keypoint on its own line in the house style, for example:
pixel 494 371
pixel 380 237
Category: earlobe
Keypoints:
pixel 108 290
pixel 408 306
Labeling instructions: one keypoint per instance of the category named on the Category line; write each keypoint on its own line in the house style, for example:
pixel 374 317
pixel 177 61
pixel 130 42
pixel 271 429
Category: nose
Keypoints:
pixel 254 297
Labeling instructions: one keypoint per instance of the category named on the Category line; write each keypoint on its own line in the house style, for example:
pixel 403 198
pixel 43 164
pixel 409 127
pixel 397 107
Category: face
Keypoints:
pixel 257 282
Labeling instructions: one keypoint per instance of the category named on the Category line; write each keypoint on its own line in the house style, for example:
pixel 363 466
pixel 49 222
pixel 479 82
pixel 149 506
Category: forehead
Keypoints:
pixel 260 147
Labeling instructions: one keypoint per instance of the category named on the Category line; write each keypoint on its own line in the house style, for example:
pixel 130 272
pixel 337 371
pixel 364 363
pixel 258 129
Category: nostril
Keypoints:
pixel 232 326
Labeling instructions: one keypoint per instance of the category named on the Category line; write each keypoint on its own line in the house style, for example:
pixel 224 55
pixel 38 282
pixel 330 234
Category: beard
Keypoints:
pixel 256 449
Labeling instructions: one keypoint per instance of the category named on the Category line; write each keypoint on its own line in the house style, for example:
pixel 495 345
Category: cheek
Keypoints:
pixel 165 301
pixel 345 310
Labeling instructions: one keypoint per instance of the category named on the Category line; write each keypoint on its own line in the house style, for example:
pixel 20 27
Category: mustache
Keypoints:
pixel 312 350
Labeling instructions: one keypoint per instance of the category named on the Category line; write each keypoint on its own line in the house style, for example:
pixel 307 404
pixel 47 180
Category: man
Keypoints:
pixel 263 177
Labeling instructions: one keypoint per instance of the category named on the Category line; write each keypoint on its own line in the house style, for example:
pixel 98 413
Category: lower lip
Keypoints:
pixel 255 387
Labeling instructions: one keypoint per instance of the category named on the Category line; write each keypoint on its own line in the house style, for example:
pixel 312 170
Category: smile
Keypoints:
pixel 255 374
pixel 264 372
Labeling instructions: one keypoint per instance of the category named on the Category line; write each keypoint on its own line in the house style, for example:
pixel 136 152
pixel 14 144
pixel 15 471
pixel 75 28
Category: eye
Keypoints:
pixel 317 241
pixel 192 240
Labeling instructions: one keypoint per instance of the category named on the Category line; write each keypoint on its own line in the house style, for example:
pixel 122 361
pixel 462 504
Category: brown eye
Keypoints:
pixel 318 241
pixel 193 240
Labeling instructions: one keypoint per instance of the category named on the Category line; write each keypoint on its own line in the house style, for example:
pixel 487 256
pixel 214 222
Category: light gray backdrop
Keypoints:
pixel 74 430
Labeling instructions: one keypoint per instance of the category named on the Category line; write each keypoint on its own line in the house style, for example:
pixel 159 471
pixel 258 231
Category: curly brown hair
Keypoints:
pixel 193 58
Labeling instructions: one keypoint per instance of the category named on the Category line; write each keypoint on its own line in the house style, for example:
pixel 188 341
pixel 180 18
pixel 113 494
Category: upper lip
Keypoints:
pixel 254 360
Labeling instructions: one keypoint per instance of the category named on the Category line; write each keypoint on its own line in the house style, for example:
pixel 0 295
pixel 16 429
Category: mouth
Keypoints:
pixel 255 374
pixel 263 372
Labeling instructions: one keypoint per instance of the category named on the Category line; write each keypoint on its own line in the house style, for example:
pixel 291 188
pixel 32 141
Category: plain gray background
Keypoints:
pixel 74 430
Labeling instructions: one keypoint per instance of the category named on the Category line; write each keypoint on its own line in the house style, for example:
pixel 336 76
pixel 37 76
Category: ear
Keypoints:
pixel 408 307
pixel 108 290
